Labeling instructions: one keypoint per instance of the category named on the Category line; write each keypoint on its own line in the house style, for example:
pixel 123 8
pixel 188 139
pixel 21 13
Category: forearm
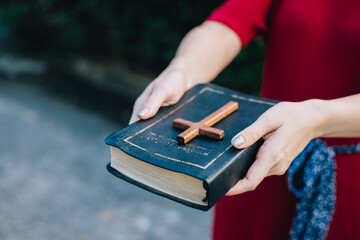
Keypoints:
pixel 341 117
pixel 204 52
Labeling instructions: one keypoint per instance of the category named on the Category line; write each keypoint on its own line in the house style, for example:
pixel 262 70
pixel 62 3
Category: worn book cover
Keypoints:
pixel 198 173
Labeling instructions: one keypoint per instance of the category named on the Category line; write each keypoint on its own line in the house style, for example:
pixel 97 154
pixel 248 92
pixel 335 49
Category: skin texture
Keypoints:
pixel 287 127
pixel 203 53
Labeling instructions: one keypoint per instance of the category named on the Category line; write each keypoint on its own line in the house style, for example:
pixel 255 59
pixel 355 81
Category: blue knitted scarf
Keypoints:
pixel 311 177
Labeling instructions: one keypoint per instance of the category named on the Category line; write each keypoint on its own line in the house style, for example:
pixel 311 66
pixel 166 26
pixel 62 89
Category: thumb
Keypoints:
pixel 254 132
pixel 152 104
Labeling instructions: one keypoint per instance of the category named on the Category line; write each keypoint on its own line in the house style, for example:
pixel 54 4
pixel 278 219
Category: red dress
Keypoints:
pixel 313 51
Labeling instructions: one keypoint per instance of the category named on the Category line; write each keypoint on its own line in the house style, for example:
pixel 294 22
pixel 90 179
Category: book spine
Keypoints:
pixel 227 177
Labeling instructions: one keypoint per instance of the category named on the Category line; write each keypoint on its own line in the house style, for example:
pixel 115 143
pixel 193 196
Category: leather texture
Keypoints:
pixel 215 162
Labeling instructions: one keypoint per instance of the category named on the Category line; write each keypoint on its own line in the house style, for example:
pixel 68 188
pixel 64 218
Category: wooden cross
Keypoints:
pixel 193 129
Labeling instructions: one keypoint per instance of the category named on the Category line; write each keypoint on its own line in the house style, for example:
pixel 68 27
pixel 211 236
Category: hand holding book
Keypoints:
pixel 165 90
pixel 287 128
pixel 201 56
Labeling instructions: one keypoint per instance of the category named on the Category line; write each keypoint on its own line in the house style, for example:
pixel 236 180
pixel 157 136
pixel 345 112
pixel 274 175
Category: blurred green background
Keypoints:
pixel 69 74
pixel 142 35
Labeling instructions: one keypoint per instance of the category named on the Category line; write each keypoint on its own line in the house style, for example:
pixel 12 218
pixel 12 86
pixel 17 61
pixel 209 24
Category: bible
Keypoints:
pixel 196 173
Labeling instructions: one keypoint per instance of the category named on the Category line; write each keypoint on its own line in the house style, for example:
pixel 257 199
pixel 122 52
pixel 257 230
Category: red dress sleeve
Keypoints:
pixel 246 17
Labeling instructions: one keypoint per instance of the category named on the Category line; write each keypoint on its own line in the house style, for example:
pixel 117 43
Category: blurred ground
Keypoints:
pixel 53 181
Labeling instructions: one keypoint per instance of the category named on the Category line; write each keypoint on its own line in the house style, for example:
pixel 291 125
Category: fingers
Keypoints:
pixel 271 159
pixel 149 102
pixel 256 173
pixel 261 127
pixel 166 90
pixel 154 101
pixel 286 134
pixel 139 103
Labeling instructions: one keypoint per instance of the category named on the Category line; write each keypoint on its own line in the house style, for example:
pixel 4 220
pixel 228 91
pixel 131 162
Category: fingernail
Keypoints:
pixel 142 112
pixel 238 141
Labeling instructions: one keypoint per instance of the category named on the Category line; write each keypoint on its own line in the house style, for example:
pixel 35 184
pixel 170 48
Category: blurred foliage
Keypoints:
pixel 142 34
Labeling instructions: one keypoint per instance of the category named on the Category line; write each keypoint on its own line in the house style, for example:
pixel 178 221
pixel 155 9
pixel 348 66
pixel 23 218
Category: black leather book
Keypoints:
pixel 197 174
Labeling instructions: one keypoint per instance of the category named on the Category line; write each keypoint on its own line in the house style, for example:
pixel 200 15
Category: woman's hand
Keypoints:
pixel 202 54
pixel 165 90
pixel 286 128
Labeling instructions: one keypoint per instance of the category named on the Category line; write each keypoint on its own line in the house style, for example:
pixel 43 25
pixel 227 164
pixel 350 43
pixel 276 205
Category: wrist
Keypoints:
pixel 323 114
pixel 183 68
pixel 192 71
pixel 180 67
